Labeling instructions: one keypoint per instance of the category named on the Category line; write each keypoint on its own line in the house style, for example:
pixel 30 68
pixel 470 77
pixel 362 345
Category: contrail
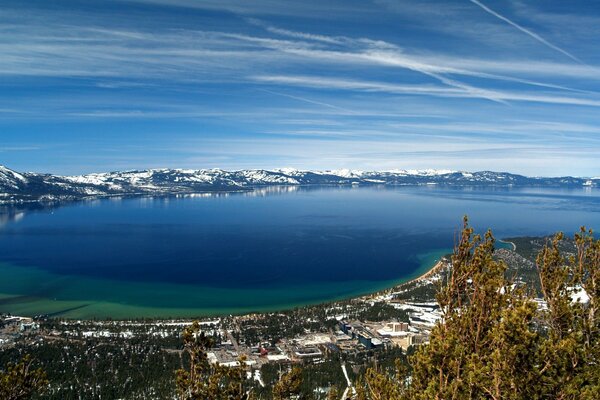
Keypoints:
pixel 526 31
pixel 319 103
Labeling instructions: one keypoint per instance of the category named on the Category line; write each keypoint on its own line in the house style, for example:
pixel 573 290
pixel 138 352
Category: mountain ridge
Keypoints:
pixel 18 187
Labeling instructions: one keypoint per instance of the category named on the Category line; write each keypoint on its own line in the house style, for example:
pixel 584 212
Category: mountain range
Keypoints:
pixel 19 187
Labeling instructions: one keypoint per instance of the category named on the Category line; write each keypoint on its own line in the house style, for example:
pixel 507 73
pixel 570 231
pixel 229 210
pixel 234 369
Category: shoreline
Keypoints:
pixel 426 273
pixel 440 264
pixel 437 267
pixel 514 246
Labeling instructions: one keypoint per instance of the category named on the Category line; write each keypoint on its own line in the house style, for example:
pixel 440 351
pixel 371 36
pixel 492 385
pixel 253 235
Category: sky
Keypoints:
pixel 92 86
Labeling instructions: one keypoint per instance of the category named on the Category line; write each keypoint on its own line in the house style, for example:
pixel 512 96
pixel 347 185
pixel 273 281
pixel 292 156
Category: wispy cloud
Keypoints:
pixel 407 81
pixel 6 149
pixel 295 34
pixel 318 103
pixel 307 8
pixel 183 54
pixel 526 31
pixel 502 96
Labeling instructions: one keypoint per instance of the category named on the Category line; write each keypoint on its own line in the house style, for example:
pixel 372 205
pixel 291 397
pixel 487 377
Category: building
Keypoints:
pixel 403 342
pixel 307 353
pixel 394 329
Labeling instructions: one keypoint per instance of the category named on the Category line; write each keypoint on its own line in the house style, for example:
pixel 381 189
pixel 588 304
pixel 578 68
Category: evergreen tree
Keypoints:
pixel 494 342
pixel 570 355
pixel 204 380
pixel 333 394
pixel 380 386
pixel 288 386
pixel 21 381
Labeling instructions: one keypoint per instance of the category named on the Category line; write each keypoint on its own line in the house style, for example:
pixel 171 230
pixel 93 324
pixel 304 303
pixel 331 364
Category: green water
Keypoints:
pixel 31 291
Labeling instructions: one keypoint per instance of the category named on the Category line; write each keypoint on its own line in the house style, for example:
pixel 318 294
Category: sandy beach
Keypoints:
pixel 434 270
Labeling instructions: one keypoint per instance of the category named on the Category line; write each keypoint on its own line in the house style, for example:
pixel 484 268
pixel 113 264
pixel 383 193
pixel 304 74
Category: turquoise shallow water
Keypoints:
pixel 31 291
pixel 268 250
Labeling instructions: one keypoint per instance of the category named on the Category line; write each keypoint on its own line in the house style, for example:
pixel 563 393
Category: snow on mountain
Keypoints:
pixel 416 172
pixel 263 177
pixel 27 187
pixel 11 178
pixel 346 173
pixel 288 171
pixel 423 172
pixel 92 179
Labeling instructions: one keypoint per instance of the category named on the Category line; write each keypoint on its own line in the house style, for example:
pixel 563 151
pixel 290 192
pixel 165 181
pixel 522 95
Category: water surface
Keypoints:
pixel 266 250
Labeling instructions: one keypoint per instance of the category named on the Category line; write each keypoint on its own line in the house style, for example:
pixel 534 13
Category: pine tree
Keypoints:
pixel 204 380
pixel 484 344
pixel 333 394
pixel 494 342
pixel 288 386
pixel 570 355
pixel 21 381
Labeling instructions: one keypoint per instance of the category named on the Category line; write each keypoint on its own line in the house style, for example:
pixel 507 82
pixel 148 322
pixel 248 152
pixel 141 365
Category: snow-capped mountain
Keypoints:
pixel 33 187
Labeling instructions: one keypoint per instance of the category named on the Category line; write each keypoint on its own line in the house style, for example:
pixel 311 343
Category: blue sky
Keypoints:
pixel 88 86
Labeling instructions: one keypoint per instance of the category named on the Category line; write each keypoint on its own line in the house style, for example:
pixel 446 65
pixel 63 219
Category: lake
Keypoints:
pixel 269 249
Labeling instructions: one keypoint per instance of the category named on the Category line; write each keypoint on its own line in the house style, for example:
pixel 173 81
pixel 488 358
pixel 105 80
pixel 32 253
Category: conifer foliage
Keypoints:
pixel 205 380
pixel 494 342
pixel 20 381
pixel 288 386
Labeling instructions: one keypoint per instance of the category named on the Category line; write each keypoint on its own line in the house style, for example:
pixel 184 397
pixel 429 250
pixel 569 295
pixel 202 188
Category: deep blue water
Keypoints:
pixel 274 239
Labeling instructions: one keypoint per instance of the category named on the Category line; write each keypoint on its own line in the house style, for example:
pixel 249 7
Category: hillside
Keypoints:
pixel 16 187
